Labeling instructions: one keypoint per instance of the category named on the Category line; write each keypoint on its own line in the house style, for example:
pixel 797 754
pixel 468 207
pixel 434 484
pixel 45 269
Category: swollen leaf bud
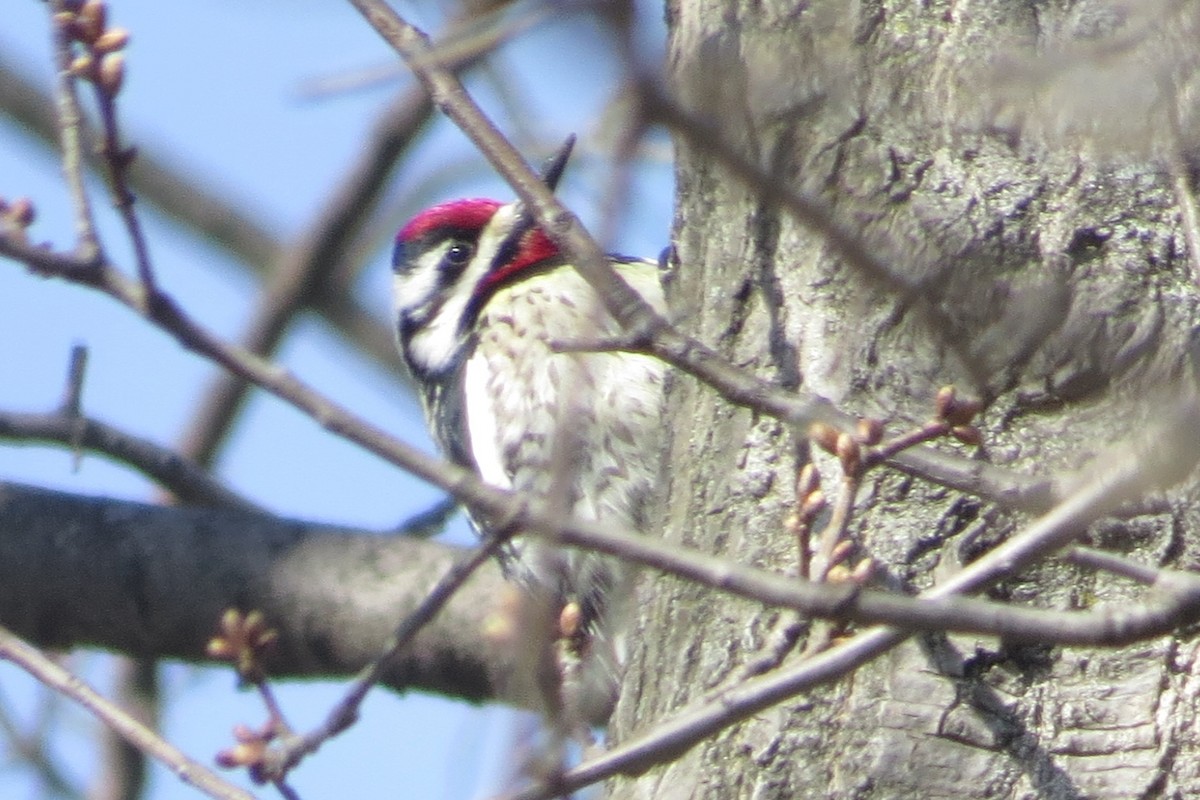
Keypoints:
pixel 21 212
pixel 814 504
pixel 66 21
pixel 841 551
pixel 570 620
pixel 838 573
pixel 111 40
pixel 963 412
pixel 944 402
pixel 863 571
pixel 870 431
pixel 808 481
pixel 81 66
pixel 967 434
pixel 824 436
pixel 112 73
pixel 92 18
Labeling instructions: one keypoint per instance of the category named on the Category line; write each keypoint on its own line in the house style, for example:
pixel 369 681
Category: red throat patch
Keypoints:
pixel 535 248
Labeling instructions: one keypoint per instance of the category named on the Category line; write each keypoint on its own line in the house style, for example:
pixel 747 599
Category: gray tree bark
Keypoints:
pixel 154 581
pixel 1021 168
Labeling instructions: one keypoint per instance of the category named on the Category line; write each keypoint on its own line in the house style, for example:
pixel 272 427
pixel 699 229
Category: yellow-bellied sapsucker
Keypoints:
pixel 491 319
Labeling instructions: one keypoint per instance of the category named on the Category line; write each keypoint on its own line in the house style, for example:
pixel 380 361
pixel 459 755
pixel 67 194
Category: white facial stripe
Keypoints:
pixel 436 343
pixel 490 240
pixel 415 287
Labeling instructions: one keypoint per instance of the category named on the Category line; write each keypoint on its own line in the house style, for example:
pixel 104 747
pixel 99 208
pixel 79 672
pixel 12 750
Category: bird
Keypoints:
pixel 494 325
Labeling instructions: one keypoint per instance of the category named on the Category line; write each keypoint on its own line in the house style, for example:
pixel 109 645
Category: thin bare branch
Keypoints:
pixel 1162 466
pixel 72 404
pixel 646 328
pixel 203 210
pixel 346 712
pixel 300 271
pixel 70 133
pixel 1091 558
pixel 1115 481
pixel 118 157
pixel 306 267
pixel 180 476
pixel 30 659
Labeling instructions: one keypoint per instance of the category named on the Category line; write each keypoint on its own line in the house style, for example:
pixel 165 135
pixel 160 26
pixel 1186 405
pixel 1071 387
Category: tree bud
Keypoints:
pixel 112 73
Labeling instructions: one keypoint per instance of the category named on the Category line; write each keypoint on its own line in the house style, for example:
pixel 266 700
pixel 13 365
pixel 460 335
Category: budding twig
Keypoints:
pixel 51 674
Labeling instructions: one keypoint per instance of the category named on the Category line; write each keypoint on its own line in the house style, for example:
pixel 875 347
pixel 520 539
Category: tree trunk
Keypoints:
pixel 1020 168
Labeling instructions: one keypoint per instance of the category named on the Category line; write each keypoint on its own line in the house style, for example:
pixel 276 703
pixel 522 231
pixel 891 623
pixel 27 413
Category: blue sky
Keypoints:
pixel 218 86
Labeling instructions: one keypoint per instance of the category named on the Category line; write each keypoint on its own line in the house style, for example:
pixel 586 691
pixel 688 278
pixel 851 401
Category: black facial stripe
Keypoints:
pixel 399 256
pixel 405 251
pixel 508 249
pixel 407 325
pixel 450 270
pixel 480 299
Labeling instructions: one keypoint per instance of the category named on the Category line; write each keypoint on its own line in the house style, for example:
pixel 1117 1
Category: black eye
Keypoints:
pixel 459 254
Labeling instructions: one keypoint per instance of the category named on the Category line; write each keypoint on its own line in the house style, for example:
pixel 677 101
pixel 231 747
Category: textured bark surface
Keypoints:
pixel 1031 204
pixel 154 581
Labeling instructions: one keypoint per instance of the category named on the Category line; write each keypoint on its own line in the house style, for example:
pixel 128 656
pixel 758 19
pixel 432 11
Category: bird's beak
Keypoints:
pixel 552 171
pixel 554 167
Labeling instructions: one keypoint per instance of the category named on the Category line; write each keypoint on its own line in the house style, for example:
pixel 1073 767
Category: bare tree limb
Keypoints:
pixel 181 476
pixel 647 330
pixel 83 571
pixel 1103 560
pixel 1166 456
pixel 70 134
pixel 203 210
pixel 836 602
pixel 55 676
pixel 304 269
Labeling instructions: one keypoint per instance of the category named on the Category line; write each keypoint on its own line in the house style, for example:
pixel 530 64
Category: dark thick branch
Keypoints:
pixel 251 561
pixel 154 581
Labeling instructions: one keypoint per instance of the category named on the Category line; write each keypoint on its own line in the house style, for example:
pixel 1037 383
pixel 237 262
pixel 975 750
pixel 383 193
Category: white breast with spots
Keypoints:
pixel 580 431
